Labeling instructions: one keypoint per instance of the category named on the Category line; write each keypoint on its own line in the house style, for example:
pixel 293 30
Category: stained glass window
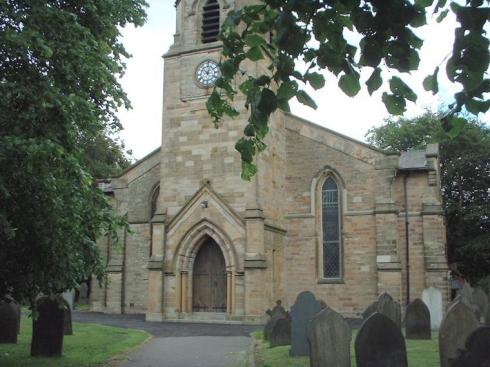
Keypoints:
pixel 331 229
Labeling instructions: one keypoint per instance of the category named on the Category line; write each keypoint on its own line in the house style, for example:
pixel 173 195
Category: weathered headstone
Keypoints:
pixel 303 310
pixel 432 297
pixel 47 329
pixel 467 293
pixel 390 308
pixel 459 322
pixel 477 350
pixel 8 323
pixel 380 343
pixel 83 293
pixel 67 324
pixel 329 336
pixel 488 311
pixel 278 312
pixel 69 297
pixel 281 332
pixel 370 310
pixel 417 320
pixel 480 300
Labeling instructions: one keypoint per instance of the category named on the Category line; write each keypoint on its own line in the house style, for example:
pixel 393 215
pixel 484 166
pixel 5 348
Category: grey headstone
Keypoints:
pixel 329 336
pixel 8 323
pixel 477 350
pixel 480 300
pixel 281 332
pixel 303 310
pixel 467 293
pixel 83 293
pixel 47 329
pixel 69 297
pixel 370 310
pixel 459 322
pixel 432 297
pixel 488 311
pixel 278 312
pixel 417 320
pixel 67 324
pixel 380 343
pixel 390 308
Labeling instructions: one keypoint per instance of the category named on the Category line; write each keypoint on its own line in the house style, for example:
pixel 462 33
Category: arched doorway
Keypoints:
pixel 209 285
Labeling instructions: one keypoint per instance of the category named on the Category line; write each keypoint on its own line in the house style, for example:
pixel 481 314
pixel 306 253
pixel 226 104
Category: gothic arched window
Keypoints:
pixel 332 252
pixel 210 21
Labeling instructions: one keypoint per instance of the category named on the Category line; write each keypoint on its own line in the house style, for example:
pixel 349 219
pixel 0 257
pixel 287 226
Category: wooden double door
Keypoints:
pixel 209 279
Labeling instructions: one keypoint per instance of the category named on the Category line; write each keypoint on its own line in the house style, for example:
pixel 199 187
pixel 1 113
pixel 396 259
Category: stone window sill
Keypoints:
pixel 331 281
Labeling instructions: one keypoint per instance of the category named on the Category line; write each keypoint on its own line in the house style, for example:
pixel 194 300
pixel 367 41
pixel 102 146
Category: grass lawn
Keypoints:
pixel 421 353
pixel 90 345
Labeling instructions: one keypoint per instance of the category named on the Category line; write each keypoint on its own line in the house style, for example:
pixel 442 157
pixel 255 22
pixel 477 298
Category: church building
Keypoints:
pixel 325 213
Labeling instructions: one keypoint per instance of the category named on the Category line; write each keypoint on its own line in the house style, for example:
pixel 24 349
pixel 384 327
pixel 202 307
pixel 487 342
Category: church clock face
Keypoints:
pixel 207 73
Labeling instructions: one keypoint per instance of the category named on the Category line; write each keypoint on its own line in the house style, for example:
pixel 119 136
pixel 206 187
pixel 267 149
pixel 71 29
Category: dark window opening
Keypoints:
pixel 331 229
pixel 210 21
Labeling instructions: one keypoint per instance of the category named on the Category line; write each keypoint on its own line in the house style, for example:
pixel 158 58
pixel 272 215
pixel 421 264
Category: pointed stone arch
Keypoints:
pixel 185 256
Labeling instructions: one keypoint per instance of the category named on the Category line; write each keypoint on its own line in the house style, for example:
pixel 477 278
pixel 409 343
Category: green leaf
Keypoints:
pixel 254 40
pixel 349 83
pixel 399 88
pixel 254 54
pixel 316 80
pixel 249 170
pixel 394 104
pixel 430 82
pixel 268 102
pixel 287 90
pixel 442 16
pixel 476 107
pixel 228 69
pixel 456 124
pixel 424 3
pixel 375 81
pixel 305 99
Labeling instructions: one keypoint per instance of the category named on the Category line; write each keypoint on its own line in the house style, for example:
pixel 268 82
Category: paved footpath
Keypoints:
pixel 180 344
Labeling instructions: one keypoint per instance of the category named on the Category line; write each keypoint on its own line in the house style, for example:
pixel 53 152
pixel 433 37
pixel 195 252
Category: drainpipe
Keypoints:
pixel 407 237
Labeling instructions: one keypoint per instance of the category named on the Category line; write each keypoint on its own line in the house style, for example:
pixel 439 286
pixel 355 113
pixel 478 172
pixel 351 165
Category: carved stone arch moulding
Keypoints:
pixel 153 198
pixel 192 241
pixel 196 5
pixel 316 187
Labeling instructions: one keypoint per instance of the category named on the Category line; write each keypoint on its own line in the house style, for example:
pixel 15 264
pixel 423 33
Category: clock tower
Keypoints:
pixel 202 197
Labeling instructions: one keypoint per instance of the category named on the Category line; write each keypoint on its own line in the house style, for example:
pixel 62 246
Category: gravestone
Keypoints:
pixel 69 297
pixel 281 332
pixel 67 324
pixel 278 312
pixel 8 323
pixel 467 293
pixel 480 300
pixel 303 310
pixel 477 350
pixel 370 310
pixel 380 343
pixel 47 329
pixel 83 293
pixel 432 297
pixel 488 311
pixel 390 308
pixel 329 336
pixel 459 322
pixel 417 320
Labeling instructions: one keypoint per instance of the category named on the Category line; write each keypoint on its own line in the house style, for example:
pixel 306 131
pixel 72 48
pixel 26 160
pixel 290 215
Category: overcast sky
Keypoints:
pixel 350 116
